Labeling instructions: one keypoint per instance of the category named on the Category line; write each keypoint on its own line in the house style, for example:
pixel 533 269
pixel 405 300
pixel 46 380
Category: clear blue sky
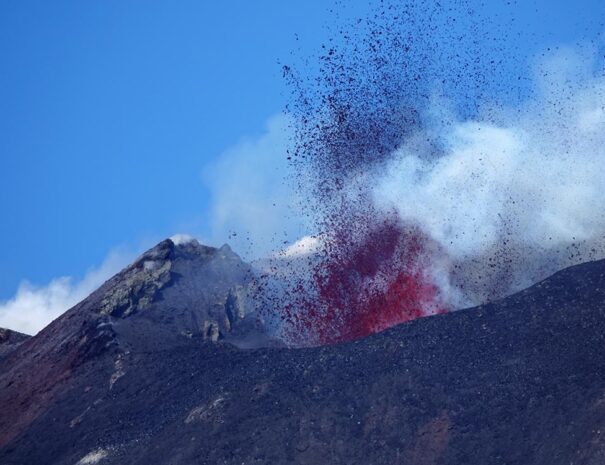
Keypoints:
pixel 110 110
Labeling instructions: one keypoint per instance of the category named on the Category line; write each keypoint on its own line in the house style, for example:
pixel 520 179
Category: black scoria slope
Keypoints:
pixel 171 295
pixel 10 340
pixel 519 381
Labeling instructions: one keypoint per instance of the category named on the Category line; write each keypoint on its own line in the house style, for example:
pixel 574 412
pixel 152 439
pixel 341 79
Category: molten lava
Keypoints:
pixel 363 287
pixel 366 100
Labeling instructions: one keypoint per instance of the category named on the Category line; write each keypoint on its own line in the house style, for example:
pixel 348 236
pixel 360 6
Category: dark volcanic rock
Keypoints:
pixel 519 381
pixel 10 340
pixel 189 289
pixel 172 293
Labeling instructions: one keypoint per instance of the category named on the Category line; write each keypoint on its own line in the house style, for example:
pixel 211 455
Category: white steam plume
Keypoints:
pixel 519 195
pixel 254 199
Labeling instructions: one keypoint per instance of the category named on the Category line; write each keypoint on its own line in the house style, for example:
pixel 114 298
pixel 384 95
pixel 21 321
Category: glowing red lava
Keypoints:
pixel 367 99
pixel 364 287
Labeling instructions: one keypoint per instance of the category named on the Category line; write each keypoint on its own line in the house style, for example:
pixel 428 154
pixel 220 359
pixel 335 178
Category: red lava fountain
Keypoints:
pixel 361 288
pixel 350 115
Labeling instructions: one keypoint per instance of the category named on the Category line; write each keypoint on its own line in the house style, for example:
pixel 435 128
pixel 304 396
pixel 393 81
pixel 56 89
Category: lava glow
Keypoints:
pixel 360 288
pixel 367 98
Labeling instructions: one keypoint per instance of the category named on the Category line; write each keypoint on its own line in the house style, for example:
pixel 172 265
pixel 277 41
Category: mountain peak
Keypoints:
pixel 190 263
pixel 137 286
pixel 179 293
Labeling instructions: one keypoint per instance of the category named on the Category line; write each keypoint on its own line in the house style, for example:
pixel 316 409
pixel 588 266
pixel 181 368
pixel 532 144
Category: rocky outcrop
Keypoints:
pixel 198 290
pixel 10 340
pixel 139 284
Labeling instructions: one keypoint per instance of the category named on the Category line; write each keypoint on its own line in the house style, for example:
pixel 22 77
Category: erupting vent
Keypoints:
pixel 364 287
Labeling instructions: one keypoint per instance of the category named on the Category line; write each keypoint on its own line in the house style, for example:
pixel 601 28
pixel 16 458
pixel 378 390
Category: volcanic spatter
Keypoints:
pixel 358 288
pixel 370 94
pixel 373 270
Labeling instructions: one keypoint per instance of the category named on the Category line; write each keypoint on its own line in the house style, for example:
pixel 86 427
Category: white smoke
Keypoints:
pixel 182 239
pixel 520 193
pixel 304 246
pixel 254 199
pixel 33 307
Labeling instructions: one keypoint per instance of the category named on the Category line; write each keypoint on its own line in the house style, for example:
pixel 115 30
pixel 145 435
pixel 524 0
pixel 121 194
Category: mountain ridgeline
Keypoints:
pixel 169 363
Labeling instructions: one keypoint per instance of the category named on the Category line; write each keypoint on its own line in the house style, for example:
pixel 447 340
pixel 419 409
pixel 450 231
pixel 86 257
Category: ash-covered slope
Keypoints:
pixel 519 381
pixel 10 340
pixel 171 294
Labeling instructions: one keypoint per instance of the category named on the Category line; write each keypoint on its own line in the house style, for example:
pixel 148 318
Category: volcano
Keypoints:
pixel 170 362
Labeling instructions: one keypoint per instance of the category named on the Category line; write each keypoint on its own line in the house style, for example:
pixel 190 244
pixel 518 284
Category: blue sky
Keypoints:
pixel 111 110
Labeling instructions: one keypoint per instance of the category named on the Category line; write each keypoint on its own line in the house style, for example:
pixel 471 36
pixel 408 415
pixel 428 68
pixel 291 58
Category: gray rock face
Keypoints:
pixel 519 381
pixel 139 284
pixel 189 289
